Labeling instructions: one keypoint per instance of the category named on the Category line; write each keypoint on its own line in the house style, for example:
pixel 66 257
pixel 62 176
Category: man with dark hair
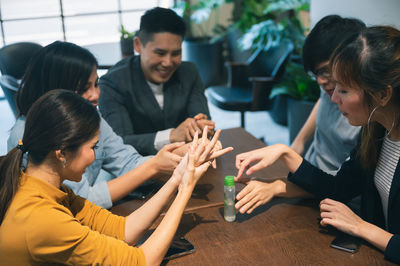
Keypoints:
pixel 334 137
pixel 154 98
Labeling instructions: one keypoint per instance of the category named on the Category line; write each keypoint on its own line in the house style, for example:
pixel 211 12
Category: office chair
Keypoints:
pixel 14 59
pixel 250 84
pixel 10 87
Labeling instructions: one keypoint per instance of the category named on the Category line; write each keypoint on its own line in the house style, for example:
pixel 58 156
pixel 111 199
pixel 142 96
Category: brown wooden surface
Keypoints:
pixel 210 188
pixel 282 232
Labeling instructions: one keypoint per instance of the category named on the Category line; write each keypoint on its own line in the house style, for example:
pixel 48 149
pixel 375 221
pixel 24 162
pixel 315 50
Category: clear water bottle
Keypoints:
pixel 229 199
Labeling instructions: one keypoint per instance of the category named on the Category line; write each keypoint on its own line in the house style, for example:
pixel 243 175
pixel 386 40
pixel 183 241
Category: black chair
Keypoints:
pixel 250 84
pixel 10 87
pixel 14 59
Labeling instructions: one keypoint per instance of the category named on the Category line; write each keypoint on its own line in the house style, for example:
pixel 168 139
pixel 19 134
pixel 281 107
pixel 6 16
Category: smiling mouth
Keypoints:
pixel 330 92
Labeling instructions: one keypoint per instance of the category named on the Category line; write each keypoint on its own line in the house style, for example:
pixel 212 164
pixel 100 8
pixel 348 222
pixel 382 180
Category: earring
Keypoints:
pixel 369 118
pixel 64 163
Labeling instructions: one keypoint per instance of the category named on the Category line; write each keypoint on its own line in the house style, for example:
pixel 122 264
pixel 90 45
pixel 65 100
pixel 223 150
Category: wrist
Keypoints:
pixel 363 229
pixel 290 158
pixel 175 180
pixel 152 166
pixel 186 188
pixel 172 138
pixel 279 187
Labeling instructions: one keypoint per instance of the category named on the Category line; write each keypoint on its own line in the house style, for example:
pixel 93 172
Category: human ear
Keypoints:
pixel 60 155
pixel 385 95
pixel 137 44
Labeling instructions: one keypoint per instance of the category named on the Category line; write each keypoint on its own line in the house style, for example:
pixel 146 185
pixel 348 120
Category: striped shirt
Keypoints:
pixel 385 169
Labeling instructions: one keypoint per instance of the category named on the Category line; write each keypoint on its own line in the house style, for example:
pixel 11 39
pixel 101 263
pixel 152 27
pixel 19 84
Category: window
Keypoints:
pixel 82 22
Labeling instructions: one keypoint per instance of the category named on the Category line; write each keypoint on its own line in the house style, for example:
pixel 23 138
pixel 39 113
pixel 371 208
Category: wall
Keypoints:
pixel 372 12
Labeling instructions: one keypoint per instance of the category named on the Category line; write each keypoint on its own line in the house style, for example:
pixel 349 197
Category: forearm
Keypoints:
pixel 374 235
pixel 157 244
pixel 289 157
pixel 286 189
pixel 140 220
pixel 120 187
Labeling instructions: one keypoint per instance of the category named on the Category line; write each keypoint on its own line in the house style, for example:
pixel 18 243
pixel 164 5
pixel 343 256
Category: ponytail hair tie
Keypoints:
pixel 20 146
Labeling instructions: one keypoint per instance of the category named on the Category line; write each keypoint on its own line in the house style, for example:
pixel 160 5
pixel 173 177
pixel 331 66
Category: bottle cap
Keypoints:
pixel 229 180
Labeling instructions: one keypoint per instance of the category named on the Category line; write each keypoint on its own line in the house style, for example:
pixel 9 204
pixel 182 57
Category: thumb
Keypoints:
pixel 173 146
pixel 200 116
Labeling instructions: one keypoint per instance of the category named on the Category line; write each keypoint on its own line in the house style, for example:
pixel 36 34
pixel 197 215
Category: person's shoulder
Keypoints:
pixel 187 66
pixel 187 71
pixel 119 69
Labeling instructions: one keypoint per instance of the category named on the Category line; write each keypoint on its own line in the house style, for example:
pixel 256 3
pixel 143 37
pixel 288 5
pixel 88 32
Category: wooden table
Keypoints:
pixel 282 232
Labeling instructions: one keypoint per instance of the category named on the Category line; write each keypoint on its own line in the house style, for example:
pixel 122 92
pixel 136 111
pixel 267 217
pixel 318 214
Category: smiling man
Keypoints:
pixel 334 138
pixel 154 98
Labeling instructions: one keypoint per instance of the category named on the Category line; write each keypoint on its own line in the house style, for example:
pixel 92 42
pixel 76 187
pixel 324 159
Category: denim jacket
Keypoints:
pixel 112 155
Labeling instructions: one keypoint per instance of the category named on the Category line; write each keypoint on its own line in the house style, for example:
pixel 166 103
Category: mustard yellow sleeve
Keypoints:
pixel 95 217
pixel 53 235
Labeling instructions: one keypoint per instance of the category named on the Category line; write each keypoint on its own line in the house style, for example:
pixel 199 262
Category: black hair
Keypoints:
pixel 59 120
pixel 370 61
pixel 59 65
pixel 159 20
pixel 326 35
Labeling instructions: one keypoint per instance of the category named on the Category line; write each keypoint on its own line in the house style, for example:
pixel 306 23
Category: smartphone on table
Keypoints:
pixel 346 242
pixel 179 247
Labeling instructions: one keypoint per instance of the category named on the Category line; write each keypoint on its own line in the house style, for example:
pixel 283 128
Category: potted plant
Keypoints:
pixel 264 23
pixel 203 43
pixel 126 41
pixel 302 92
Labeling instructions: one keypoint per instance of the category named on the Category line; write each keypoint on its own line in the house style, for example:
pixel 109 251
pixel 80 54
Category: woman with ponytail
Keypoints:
pixel 43 222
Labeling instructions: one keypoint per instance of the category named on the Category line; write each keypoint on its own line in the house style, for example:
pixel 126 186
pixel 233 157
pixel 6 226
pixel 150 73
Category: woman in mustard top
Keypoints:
pixel 43 221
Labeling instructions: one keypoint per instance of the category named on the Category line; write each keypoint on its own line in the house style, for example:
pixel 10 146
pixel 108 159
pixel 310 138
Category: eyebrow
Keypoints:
pixel 166 51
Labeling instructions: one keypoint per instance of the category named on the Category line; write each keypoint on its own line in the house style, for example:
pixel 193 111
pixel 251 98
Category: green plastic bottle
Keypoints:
pixel 229 199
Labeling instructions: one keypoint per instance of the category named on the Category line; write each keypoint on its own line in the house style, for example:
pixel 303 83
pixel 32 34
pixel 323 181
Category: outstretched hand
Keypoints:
pixel 202 152
pixel 244 160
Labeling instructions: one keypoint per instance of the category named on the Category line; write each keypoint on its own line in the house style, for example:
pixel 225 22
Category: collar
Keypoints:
pixel 33 183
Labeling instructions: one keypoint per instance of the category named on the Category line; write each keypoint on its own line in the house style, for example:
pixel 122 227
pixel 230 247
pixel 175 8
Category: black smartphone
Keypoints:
pixel 145 190
pixel 179 247
pixel 346 242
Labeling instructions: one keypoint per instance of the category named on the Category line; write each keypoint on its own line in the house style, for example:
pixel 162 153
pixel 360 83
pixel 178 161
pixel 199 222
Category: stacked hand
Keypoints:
pixel 200 156
pixel 166 160
pixel 187 129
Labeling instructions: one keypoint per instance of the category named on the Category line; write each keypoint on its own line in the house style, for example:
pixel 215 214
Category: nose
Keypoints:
pixel 167 60
pixel 335 97
pixel 94 93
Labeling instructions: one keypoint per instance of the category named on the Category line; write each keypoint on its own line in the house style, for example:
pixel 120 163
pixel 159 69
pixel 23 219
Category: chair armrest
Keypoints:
pixel 237 75
pixel 261 88
pixel 233 64
pixel 261 79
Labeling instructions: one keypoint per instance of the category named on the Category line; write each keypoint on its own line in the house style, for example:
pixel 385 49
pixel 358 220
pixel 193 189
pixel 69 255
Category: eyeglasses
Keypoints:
pixel 322 73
